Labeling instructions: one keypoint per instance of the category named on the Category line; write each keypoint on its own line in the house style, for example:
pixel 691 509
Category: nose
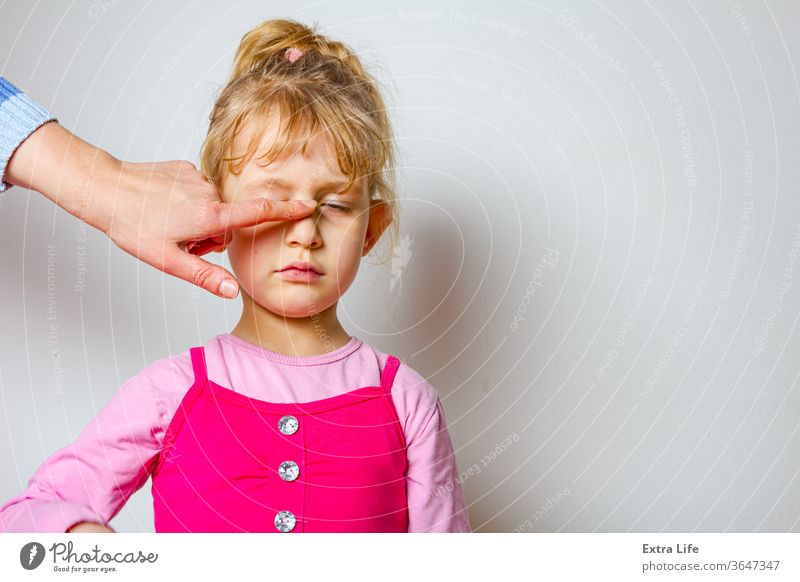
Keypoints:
pixel 304 232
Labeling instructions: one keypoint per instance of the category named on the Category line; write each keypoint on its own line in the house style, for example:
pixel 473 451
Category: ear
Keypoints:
pixel 379 221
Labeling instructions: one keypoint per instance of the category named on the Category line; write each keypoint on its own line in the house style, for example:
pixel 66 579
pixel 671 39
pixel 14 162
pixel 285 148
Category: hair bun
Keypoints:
pixel 270 41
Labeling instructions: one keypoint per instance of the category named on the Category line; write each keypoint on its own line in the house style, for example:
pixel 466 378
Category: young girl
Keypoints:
pixel 286 424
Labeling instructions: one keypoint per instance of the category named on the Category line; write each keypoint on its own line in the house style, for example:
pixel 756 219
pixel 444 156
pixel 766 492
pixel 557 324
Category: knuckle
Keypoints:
pixel 185 166
pixel 216 209
pixel 263 207
pixel 215 215
pixel 202 273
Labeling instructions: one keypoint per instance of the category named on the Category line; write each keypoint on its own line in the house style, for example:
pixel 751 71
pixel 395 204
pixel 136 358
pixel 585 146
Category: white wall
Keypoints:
pixel 602 211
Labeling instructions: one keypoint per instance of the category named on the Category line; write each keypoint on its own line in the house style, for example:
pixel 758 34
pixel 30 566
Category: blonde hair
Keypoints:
pixel 326 90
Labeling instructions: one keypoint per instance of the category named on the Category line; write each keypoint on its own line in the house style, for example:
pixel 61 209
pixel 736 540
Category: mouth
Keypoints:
pixel 300 271
pixel 301 266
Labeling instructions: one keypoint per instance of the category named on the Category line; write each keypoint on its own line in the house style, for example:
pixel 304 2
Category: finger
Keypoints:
pixel 252 212
pixel 212 278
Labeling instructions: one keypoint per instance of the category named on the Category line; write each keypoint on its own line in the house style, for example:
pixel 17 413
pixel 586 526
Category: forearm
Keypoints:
pixel 69 171
pixel 45 515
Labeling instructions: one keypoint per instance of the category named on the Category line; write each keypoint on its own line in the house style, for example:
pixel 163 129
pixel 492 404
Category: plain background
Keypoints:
pixel 599 267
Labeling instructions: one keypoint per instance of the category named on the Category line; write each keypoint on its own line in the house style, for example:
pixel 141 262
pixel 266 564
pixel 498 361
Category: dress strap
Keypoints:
pixel 389 372
pixel 199 364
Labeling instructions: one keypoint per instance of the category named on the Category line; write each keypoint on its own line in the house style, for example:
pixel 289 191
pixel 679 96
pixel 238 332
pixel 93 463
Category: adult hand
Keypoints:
pixel 165 213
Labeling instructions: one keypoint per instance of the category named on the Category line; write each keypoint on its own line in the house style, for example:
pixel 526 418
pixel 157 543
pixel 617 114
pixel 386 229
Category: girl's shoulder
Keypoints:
pixel 407 378
pixel 169 379
pixel 413 394
pixel 176 373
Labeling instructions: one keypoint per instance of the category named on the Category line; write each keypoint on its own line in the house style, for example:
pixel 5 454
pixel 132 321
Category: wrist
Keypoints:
pixel 94 196
pixel 74 174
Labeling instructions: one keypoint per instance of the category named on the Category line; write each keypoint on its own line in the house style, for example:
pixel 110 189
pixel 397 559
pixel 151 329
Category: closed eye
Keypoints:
pixel 337 207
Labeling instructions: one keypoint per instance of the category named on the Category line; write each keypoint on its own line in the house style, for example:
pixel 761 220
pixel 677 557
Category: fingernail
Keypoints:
pixel 228 288
pixel 308 203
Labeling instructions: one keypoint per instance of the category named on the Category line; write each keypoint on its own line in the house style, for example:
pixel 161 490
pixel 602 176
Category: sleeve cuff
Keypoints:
pixel 37 515
pixel 20 116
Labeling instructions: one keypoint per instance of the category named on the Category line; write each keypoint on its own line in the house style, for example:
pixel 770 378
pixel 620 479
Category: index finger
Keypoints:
pixel 258 210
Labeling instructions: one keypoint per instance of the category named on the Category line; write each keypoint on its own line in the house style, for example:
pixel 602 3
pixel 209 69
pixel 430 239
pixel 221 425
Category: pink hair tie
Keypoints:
pixel 292 54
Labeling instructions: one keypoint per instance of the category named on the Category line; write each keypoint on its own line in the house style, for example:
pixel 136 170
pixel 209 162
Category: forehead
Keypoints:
pixel 313 151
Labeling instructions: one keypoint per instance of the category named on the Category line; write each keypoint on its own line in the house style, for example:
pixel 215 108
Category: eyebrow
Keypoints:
pixel 283 184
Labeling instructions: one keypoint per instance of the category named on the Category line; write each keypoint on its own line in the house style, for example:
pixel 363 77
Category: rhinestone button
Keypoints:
pixel 288 424
pixel 284 521
pixel 288 470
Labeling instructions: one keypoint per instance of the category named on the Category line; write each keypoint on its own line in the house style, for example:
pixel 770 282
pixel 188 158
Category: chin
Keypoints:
pixel 294 313
pixel 296 308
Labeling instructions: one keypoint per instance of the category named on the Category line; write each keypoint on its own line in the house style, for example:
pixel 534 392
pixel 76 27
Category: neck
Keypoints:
pixel 316 334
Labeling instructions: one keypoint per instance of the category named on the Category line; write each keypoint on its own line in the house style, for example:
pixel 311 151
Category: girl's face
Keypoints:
pixel 332 239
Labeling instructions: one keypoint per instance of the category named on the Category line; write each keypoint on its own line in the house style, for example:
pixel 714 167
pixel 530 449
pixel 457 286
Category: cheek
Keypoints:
pixel 239 257
pixel 349 245
pixel 250 250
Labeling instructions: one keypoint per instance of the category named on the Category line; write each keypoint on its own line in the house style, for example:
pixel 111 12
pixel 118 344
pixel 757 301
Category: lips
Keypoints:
pixel 302 266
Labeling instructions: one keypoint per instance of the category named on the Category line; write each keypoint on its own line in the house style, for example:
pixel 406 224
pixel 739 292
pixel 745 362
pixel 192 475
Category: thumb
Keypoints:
pixel 213 278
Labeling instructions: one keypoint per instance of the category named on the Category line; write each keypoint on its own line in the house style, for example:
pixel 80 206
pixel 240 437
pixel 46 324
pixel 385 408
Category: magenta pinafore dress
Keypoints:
pixel 231 463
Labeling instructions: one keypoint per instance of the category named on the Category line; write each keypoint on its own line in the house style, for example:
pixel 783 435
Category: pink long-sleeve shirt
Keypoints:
pixel 91 479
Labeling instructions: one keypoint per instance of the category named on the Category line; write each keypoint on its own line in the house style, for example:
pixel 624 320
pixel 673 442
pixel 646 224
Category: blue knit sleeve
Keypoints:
pixel 20 116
